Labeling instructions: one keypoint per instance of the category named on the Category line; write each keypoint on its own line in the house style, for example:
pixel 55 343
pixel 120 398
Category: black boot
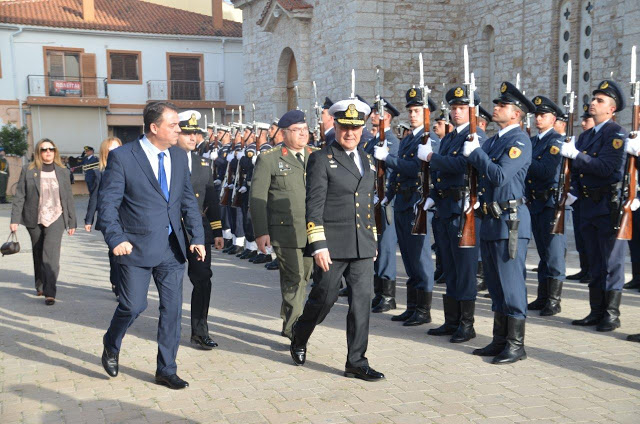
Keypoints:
pixel 465 331
pixel 584 269
pixel 611 319
pixel 552 306
pixel 422 314
pixel 633 338
pixel 499 337
pixel 514 350
pixel 596 301
pixel 543 295
pixel 635 281
pixel 377 290
pixel 411 306
pixel 587 277
pixel 388 301
pixel 451 317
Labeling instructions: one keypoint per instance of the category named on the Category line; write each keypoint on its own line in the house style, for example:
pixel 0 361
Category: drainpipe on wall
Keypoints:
pixel 16 93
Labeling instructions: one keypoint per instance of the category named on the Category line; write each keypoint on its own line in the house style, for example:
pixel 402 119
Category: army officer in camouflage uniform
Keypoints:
pixel 277 203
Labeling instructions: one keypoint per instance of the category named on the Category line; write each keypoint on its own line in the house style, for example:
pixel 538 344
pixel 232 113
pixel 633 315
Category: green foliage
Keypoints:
pixel 14 139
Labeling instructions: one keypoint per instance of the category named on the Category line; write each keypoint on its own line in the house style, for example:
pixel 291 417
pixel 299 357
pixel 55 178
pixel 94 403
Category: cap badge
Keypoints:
pixel 503 88
pixel 351 112
pixel 604 85
pixel 537 101
pixel 459 92
pixel 412 92
pixel 193 121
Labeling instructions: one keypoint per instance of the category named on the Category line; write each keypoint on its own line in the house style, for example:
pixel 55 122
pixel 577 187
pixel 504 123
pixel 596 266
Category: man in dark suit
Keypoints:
pixel 90 174
pixel 209 205
pixel 146 197
pixel 341 233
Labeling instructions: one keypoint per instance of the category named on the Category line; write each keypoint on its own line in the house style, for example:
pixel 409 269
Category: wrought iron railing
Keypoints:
pixel 185 90
pixel 60 86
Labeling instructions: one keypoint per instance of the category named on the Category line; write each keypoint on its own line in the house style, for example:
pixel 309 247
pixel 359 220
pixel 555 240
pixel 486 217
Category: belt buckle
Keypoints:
pixel 513 203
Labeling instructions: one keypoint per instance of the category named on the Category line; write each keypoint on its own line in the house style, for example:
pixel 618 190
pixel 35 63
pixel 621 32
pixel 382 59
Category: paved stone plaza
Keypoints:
pixel 50 367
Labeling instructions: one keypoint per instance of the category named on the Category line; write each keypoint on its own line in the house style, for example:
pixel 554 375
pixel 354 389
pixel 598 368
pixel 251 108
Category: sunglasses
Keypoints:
pixel 45 149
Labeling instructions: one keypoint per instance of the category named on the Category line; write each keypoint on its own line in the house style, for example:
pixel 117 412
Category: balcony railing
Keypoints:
pixel 210 91
pixel 53 86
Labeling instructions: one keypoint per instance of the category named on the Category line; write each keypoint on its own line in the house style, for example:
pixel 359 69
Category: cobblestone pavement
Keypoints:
pixel 50 367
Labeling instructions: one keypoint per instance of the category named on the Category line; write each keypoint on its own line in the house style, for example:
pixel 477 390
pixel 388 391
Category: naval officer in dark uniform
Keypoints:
pixel 200 271
pixel 597 170
pixel 502 163
pixel 342 237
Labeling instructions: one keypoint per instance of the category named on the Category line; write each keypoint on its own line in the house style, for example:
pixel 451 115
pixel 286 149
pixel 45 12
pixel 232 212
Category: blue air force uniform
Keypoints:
pixel 541 186
pixel 597 172
pixel 502 163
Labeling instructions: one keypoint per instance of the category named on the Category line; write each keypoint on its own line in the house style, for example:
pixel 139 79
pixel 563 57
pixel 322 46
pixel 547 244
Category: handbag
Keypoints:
pixel 11 246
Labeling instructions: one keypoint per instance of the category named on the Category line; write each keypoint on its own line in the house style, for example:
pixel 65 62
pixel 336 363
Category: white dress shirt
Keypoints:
pixel 189 161
pixel 152 153
pixel 417 130
pixel 600 125
pixel 356 158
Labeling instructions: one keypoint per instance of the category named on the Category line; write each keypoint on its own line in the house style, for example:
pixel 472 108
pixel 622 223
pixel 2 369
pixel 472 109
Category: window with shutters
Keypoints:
pixel 124 67
pixel 185 76
pixel 63 71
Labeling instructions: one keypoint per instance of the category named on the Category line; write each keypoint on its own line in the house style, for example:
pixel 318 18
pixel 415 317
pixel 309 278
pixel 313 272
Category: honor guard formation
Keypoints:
pixel 334 201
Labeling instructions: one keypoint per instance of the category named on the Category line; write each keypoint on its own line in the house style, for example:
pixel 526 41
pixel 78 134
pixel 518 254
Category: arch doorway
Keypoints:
pixel 287 79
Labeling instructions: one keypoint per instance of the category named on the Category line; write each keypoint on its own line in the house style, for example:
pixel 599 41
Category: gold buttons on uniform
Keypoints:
pixel 197 194
pixel 357 205
pixel 438 180
pixel 368 215
pixel 581 175
pixel 356 194
pixel 368 227
pixel 358 215
pixel 397 175
pixel 358 225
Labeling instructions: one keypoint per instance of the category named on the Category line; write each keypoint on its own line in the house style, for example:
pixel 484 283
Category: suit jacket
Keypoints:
pixel 277 197
pixel 92 207
pixel 133 208
pixel 339 204
pixel 600 163
pixel 27 198
pixel 544 171
pixel 502 165
pixel 208 200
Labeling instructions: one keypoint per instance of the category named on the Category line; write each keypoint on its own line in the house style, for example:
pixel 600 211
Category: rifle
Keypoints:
pixel 236 199
pixel 225 197
pixel 564 183
pixel 214 136
pixel 467 231
pixel 624 222
pixel 420 222
pixel 318 130
pixel 380 165
pixel 444 109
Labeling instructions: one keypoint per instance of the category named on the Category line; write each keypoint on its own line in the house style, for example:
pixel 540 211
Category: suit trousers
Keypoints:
pixel 551 247
pixel 200 274
pixel 133 290
pixel 506 277
pixel 385 266
pixel 416 252
pixel 460 265
pixel 358 274
pixel 114 271
pixel 45 243
pixel 295 271
pixel 604 252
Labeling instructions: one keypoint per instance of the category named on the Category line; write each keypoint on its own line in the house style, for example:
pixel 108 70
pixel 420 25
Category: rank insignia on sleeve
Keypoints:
pixel 554 150
pixel 617 143
pixel 249 154
pixel 514 153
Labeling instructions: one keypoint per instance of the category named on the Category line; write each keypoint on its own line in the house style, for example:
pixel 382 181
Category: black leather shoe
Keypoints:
pixel 243 254
pixel 363 373
pixel 235 250
pixel 171 381
pixel 298 354
pixel 262 259
pixel 205 343
pixel 110 361
pixel 228 246
pixel 273 265
pixel 403 316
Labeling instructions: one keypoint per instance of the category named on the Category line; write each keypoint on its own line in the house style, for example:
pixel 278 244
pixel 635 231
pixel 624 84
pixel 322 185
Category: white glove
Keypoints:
pixel 217 182
pixel 635 205
pixel 476 206
pixel 424 150
pixel 375 199
pixel 213 155
pixel 428 204
pixel 380 153
pixel 229 158
pixel 570 198
pixel 470 146
pixel 242 189
pixel 239 154
pixel 254 159
pixel 633 146
pixel 384 202
pixel 569 150
pixel 206 155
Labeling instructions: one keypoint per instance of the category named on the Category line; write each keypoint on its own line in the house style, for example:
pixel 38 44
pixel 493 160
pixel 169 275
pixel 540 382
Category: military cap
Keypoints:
pixel 585 113
pixel 224 128
pixel 482 112
pixel 404 125
pixel 414 98
pixel 262 126
pixel 327 103
pixel 88 148
pixel 510 95
pixel 563 117
pixel 443 117
pixel 350 112
pixel 189 120
pixel 458 95
pixel 359 97
pixel 611 89
pixel 290 118
pixel 211 125
pixel 275 121
pixel 388 107
pixel 545 105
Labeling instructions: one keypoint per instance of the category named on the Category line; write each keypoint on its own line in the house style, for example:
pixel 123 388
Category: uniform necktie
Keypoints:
pixel 353 157
pixel 300 158
pixel 162 180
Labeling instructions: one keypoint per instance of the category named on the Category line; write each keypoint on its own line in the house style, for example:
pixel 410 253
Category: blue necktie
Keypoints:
pixel 162 180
